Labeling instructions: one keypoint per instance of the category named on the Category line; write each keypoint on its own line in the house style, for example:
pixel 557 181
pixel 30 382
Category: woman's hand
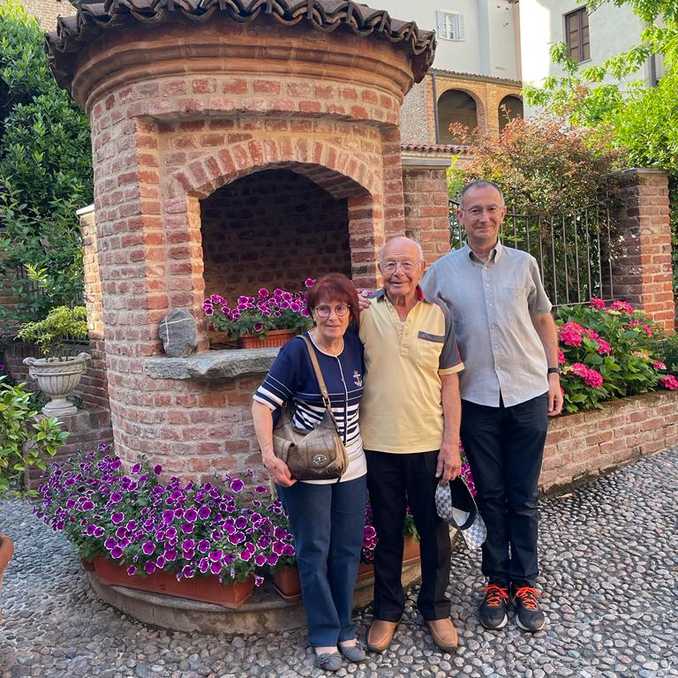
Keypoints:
pixel 279 471
pixel 363 299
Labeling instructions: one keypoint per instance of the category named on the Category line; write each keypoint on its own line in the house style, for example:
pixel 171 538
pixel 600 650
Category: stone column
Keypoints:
pixel 642 271
pixel 426 202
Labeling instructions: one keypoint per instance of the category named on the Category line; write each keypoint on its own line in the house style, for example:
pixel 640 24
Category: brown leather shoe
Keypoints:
pixel 443 633
pixel 380 635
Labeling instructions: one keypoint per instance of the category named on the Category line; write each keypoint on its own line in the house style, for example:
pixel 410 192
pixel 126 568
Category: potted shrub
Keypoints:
pixel 26 440
pixel 204 542
pixel 57 373
pixel 265 320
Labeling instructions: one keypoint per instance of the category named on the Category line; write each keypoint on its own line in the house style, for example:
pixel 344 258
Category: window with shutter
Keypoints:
pixel 577 35
pixel 449 25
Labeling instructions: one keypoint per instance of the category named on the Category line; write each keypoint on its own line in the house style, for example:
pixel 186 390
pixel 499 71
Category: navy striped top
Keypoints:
pixel 291 379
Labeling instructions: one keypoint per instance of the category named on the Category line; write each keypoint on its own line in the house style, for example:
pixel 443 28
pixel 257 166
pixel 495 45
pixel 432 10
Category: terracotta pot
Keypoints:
pixel 6 551
pixel 365 571
pixel 58 378
pixel 204 588
pixel 286 582
pixel 410 549
pixel 272 339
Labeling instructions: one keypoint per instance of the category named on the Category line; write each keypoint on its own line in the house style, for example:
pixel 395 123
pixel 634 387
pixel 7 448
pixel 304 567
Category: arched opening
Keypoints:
pixel 510 108
pixel 455 106
pixel 272 228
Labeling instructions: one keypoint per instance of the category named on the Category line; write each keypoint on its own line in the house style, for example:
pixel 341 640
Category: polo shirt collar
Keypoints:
pixel 381 295
pixel 495 254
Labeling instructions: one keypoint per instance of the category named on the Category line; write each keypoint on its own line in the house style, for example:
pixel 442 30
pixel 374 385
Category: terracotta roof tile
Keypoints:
pixel 92 18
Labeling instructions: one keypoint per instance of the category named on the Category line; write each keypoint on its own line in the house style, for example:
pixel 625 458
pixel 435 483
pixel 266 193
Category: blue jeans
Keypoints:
pixel 327 522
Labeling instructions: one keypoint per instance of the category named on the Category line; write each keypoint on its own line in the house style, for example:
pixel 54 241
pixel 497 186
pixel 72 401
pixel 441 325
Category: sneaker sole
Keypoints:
pixel 524 628
pixel 498 627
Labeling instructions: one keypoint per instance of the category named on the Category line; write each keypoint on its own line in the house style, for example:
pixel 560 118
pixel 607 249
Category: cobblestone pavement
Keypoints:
pixel 608 556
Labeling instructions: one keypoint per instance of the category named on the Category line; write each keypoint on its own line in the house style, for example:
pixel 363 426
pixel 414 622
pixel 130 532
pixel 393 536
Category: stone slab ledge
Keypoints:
pixel 212 365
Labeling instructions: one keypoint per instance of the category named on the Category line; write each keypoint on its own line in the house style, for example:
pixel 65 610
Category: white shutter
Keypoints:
pixel 441 28
pixel 460 27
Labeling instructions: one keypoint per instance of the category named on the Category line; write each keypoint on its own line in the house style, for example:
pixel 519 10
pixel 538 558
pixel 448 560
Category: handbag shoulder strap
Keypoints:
pixel 318 373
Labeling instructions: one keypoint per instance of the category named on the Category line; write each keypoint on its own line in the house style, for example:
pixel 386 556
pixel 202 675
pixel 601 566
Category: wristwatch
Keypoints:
pixel 553 370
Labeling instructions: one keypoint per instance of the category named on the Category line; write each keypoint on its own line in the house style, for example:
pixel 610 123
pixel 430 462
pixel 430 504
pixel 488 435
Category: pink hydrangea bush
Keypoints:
pixel 256 315
pixel 607 351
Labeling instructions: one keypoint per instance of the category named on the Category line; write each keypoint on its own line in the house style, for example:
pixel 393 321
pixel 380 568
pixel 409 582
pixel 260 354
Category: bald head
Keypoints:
pixel 404 247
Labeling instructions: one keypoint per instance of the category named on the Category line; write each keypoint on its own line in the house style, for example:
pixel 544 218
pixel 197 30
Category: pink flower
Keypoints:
pixel 590 376
pixel 561 357
pixel 658 365
pixel 258 327
pixel 648 330
pixel 621 306
pixel 669 382
pixel 571 334
pixel 309 282
pixel 604 347
pixel 591 334
pixel 263 293
pixel 597 303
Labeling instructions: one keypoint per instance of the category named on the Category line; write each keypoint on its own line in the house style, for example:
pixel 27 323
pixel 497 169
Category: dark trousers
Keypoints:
pixel 505 448
pixel 327 522
pixel 394 481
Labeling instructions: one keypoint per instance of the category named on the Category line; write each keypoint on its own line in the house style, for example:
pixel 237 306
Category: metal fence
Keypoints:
pixel 575 250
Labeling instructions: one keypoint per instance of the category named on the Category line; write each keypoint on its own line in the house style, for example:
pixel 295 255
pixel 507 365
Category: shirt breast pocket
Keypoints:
pixel 429 347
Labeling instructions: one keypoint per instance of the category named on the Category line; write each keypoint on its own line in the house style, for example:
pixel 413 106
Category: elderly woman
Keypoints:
pixel 326 516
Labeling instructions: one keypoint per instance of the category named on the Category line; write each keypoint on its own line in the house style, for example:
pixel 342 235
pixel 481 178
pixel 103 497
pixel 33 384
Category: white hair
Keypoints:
pixel 420 251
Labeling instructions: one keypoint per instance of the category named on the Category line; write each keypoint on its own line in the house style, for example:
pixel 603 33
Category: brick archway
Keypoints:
pixel 338 171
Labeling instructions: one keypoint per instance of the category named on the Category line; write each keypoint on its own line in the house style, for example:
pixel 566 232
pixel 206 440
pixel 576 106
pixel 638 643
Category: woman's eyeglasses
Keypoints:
pixel 324 311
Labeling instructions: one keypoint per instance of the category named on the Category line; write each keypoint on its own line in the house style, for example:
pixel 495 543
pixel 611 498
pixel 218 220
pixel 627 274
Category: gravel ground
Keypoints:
pixel 608 557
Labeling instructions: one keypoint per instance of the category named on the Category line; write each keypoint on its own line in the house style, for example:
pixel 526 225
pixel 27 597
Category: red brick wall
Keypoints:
pixel 426 210
pixel 584 444
pixel 271 229
pixel 642 270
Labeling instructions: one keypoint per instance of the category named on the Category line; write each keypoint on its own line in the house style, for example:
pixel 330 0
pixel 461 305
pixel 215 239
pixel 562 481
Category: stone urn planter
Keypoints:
pixel 58 378
pixel 207 589
pixel 6 551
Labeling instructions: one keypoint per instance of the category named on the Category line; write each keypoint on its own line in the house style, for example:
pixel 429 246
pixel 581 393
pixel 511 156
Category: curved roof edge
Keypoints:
pixel 93 18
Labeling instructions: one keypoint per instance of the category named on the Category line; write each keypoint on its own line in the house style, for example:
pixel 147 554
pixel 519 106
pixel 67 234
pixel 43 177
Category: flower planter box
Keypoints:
pixel 204 588
pixel 410 556
pixel 286 583
pixel 272 339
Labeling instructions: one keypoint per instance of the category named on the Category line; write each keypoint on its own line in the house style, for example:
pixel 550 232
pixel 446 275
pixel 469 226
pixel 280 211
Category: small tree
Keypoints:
pixel 541 163
pixel 45 172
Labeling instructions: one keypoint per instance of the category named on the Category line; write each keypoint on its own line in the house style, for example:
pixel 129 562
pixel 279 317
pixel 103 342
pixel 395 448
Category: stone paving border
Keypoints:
pixel 608 555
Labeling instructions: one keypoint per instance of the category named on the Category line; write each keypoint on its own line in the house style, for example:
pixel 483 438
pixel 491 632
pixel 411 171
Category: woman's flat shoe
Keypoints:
pixel 328 662
pixel 354 653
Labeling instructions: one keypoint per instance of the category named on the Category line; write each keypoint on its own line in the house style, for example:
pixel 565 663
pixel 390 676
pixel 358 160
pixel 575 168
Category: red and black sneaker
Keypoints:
pixel 529 615
pixel 494 608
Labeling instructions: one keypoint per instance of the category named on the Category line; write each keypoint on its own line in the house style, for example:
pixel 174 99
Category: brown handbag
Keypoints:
pixel 314 455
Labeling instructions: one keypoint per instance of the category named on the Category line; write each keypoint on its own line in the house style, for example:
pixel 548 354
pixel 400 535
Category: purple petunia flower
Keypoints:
pixel 216 556
pixel 236 485
pixel 148 547
pixel 204 565
pixel 188 545
pixel 136 468
pixel 187 572
pixel 131 525
pixel 187 528
pixel 99 532
pixel 203 546
pixel 204 512
pixel 272 560
pixel 215 568
pixel 87 505
pixel 90 530
pixel 110 543
pixel 191 515
pixel 170 555
pixel 149 567
pixel 116 553
pixel 260 560
pixel 171 533
pixel 258 580
pixel 115 498
pixel 241 522
pixel 121 533
pixel 117 517
pixel 157 469
pixel 131 570
pixel 160 562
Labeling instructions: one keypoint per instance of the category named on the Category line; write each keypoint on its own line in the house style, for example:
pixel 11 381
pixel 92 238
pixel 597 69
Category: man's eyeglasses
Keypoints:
pixel 390 266
pixel 324 311
pixel 477 211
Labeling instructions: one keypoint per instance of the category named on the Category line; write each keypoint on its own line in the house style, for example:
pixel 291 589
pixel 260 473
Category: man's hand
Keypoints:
pixel 363 299
pixel 279 471
pixel 449 461
pixel 555 395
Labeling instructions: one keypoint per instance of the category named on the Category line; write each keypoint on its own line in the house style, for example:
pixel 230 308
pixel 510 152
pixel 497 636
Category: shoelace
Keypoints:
pixel 528 597
pixel 496 595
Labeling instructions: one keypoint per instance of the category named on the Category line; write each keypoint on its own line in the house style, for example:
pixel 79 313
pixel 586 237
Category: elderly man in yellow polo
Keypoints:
pixel 410 418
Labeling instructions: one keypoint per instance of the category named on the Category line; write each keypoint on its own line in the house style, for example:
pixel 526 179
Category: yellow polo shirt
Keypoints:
pixel 401 410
